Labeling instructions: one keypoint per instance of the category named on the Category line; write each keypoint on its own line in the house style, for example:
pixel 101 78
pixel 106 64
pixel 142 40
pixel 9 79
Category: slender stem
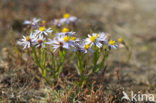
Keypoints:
pixel 43 61
pixel 35 56
pixel 95 58
pixel 39 59
pixel 80 62
pixel 101 65
pixel 62 54
pixel 53 61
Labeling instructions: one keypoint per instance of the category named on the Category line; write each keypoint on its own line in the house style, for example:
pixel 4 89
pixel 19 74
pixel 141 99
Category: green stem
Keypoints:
pixel 35 56
pixel 43 61
pixel 80 62
pixel 43 57
pixel 95 58
pixel 53 61
pixel 101 65
pixel 62 54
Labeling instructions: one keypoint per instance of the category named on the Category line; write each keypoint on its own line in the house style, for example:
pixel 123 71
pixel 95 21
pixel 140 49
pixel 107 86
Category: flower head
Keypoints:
pixel 59 42
pixel 43 31
pixel 67 19
pixel 42 28
pixel 27 41
pixel 102 37
pixel 64 30
pixel 40 41
pixel 86 47
pixel 73 38
pixel 67 15
pixel 28 38
pixel 66 38
pixel 33 22
pixel 120 40
pixel 94 40
pixel 112 44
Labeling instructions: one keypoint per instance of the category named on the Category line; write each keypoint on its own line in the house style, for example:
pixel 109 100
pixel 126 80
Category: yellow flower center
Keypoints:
pixel 65 30
pixel 67 15
pixel 73 38
pixel 42 28
pixel 39 41
pixel 93 38
pixel 111 42
pixel 120 40
pixel 43 21
pixel 28 38
pixel 66 39
pixel 87 46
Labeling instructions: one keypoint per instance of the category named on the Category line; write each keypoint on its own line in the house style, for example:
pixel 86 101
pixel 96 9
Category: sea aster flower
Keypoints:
pixel 85 47
pixel 38 42
pixel 43 31
pixel 94 40
pixel 120 40
pixel 60 42
pixel 74 40
pixel 112 44
pixel 69 19
pixel 66 19
pixel 65 32
pixel 33 22
pixel 27 41
pixel 102 37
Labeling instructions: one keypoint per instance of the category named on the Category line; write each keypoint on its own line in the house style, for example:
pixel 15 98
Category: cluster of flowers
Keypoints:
pixel 42 36
pixel 65 39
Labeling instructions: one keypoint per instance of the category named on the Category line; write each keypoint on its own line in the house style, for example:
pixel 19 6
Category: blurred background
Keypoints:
pixel 134 20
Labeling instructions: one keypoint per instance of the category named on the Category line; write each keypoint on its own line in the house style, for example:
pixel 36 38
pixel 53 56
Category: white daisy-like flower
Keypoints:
pixel 27 41
pixel 74 40
pixel 43 31
pixel 111 44
pixel 59 42
pixel 65 32
pixel 94 40
pixel 33 22
pixel 72 19
pixel 68 40
pixel 102 37
pixel 85 48
pixel 67 19
pixel 40 41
